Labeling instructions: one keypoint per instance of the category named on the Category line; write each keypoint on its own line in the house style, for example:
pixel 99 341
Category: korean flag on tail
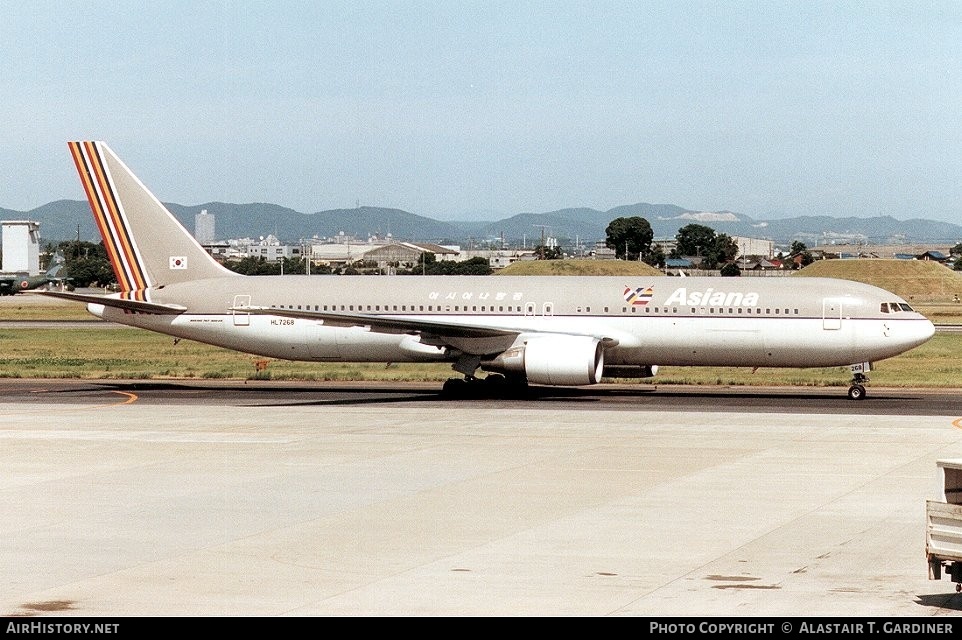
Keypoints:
pixel 178 262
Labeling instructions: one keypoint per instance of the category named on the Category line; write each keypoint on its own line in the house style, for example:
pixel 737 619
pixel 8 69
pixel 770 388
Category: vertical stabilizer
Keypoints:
pixel 146 244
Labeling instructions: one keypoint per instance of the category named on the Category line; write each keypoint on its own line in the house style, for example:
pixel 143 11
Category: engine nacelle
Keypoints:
pixel 553 360
pixel 631 371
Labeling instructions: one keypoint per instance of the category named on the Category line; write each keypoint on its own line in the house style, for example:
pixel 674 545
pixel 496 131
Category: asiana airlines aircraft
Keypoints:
pixel 519 330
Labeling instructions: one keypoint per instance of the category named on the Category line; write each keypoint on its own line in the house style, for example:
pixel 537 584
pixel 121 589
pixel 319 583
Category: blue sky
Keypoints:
pixel 481 110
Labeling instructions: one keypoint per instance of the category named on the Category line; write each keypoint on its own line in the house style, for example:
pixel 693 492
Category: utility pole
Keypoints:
pixel 543 227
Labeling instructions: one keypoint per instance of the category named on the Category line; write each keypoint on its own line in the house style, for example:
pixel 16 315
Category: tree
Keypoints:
pixel 432 267
pixel 629 237
pixel 799 249
pixel 86 272
pixel 693 240
pixel 548 253
pixel 730 270
pixel 703 243
pixel 726 249
pixel 254 266
pixel 656 257
pixel 86 263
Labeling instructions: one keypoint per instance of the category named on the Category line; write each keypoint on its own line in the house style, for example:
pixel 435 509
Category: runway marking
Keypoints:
pixel 131 398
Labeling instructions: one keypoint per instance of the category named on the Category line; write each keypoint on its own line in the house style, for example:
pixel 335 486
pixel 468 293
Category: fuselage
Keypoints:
pixel 756 322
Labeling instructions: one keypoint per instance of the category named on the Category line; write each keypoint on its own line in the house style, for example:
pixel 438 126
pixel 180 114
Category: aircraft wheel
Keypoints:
pixel 495 379
pixel 454 388
pixel 856 392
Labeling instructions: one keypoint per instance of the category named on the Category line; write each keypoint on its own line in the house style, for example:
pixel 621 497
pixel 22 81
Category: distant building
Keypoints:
pixel 21 247
pixel 754 247
pixel 205 227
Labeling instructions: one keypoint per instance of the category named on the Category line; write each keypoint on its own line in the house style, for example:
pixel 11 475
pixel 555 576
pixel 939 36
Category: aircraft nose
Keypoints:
pixel 920 332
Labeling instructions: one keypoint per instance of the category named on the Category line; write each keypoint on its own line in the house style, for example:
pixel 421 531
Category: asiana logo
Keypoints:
pixel 640 296
pixel 710 297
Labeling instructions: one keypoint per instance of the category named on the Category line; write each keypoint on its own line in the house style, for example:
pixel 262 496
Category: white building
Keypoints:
pixel 754 247
pixel 21 247
pixel 204 227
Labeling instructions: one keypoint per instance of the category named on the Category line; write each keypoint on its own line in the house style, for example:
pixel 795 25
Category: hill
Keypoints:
pixel 575 227
pixel 914 280
pixel 579 268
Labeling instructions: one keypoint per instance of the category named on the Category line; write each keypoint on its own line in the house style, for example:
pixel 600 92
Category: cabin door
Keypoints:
pixel 831 314
pixel 241 318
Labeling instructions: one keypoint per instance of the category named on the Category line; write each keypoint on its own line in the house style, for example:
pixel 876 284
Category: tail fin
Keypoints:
pixel 146 244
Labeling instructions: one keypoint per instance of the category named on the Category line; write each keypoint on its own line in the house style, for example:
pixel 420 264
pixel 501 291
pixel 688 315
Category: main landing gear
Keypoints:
pixel 494 385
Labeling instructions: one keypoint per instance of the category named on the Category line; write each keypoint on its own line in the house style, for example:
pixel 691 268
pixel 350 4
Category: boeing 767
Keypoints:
pixel 556 330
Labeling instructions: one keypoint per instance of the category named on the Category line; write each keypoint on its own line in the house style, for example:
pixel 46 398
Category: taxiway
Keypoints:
pixel 136 498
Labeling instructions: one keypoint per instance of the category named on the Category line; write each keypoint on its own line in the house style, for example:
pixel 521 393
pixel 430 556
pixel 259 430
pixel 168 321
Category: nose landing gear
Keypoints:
pixel 857 390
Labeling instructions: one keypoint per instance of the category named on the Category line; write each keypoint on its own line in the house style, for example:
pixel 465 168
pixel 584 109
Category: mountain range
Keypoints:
pixel 66 219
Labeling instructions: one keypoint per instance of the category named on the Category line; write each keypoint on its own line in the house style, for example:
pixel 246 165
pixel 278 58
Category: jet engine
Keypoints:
pixel 552 360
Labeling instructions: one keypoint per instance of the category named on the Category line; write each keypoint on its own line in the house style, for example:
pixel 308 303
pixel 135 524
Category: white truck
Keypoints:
pixel 943 524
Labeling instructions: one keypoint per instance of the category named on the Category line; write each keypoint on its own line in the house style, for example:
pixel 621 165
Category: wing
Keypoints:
pixel 470 337
pixel 139 306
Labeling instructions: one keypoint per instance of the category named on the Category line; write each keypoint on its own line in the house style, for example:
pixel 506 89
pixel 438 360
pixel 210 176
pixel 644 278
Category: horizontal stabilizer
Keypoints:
pixel 119 303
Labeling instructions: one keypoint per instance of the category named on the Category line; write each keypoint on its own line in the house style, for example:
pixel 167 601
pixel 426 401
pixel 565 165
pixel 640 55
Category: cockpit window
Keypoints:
pixel 895 307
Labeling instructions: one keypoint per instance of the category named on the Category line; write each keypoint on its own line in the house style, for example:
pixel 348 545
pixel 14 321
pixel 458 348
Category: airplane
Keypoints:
pixel 13 283
pixel 519 330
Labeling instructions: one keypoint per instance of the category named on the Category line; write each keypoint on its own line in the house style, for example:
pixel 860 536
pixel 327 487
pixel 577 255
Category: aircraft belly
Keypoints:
pixel 742 343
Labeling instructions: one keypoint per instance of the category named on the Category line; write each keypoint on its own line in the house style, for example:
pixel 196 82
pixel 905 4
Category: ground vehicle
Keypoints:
pixel 943 524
